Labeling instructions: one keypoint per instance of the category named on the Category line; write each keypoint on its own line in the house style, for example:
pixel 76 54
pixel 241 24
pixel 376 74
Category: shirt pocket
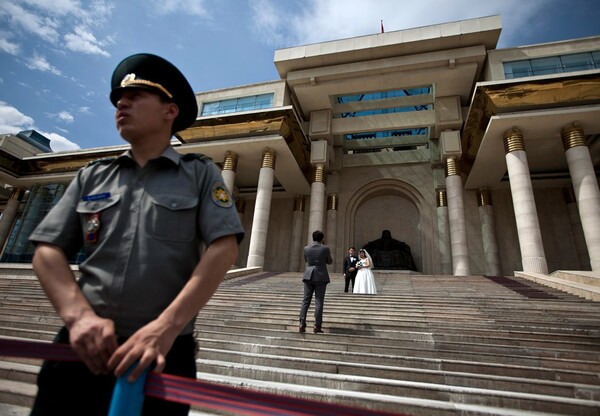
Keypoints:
pixel 105 220
pixel 172 217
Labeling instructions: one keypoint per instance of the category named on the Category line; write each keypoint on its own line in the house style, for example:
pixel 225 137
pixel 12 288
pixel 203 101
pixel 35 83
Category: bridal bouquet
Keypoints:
pixel 360 264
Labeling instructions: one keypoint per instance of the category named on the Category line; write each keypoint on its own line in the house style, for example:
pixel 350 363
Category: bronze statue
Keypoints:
pixel 388 253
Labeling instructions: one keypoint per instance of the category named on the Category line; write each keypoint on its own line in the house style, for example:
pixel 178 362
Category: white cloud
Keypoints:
pixel 44 27
pixel 59 143
pixel 65 116
pixel 84 41
pixel 13 121
pixel 85 110
pixel 8 46
pixel 39 63
pixel 189 7
pixel 324 20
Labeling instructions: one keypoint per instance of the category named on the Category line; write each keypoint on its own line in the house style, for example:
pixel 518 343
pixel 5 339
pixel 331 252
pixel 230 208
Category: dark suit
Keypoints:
pixel 349 276
pixel 315 279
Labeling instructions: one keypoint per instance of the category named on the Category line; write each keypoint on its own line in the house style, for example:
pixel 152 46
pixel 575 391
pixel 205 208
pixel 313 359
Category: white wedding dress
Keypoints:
pixel 365 280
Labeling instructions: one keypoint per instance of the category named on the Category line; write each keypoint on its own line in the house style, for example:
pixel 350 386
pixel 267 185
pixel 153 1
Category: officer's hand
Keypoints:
pixel 150 344
pixel 93 339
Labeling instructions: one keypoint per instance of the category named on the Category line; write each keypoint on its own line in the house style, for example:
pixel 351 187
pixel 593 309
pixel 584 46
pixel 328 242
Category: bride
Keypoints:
pixel 365 280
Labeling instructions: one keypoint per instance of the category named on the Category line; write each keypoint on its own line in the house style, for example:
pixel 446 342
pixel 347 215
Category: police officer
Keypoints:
pixel 141 219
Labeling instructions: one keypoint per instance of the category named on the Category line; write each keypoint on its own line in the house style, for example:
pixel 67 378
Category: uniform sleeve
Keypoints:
pixel 217 216
pixel 62 226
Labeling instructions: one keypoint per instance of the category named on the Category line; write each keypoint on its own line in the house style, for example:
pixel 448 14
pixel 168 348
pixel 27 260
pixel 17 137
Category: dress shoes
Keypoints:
pixel 302 328
pixel 317 330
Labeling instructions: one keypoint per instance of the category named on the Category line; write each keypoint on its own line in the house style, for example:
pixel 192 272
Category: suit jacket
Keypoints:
pixel 350 263
pixel 317 258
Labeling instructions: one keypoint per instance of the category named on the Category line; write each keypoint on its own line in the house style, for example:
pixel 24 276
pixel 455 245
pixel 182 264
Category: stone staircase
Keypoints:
pixel 424 345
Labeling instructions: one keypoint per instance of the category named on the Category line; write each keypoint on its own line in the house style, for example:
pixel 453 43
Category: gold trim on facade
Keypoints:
pixel 484 198
pixel 513 140
pixel 268 160
pixel 230 163
pixel 442 199
pixel 572 136
pixel 452 167
pixel 332 202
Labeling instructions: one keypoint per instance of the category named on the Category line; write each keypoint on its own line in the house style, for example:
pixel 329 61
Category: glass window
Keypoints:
pixel 552 65
pixel 386 133
pixel 577 62
pixel 544 66
pixel 234 105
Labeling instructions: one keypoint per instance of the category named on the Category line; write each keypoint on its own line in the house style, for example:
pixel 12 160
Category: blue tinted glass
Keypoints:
pixel 383 95
pixel 577 62
pixel 386 133
pixel 543 66
pixel 232 105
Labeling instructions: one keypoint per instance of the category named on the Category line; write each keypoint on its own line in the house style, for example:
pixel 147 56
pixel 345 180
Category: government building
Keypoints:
pixel 440 152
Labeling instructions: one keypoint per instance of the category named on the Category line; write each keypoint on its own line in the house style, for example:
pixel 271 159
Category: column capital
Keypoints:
pixel 332 202
pixel 268 159
pixel 441 198
pixel 572 136
pixel 452 167
pixel 513 140
pixel 484 197
pixel 319 173
pixel 230 162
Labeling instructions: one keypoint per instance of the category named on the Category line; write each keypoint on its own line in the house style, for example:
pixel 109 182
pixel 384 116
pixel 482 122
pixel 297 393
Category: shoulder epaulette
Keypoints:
pixel 104 160
pixel 195 156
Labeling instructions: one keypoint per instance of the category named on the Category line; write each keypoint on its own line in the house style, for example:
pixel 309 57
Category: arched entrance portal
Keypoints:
pixel 391 204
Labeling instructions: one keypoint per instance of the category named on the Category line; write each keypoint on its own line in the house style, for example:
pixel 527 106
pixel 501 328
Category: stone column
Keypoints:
pixel 229 169
pixel 296 253
pixel 585 186
pixel 488 233
pixel 456 215
pixel 331 226
pixel 444 232
pixel 576 228
pixel 262 209
pixel 528 226
pixel 317 202
pixel 9 215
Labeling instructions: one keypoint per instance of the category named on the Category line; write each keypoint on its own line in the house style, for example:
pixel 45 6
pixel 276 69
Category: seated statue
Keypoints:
pixel 390 254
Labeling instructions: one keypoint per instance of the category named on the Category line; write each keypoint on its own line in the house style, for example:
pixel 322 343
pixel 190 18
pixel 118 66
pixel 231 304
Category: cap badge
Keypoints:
pixel 127 79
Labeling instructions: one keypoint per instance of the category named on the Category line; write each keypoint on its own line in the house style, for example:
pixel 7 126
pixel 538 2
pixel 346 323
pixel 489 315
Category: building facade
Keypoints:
pixel 472 159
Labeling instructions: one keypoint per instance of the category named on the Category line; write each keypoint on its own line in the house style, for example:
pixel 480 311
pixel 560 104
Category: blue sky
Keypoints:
pixel 57 56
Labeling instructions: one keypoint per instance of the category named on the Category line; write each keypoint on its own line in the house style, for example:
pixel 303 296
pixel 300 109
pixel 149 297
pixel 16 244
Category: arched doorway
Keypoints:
pixel 394 205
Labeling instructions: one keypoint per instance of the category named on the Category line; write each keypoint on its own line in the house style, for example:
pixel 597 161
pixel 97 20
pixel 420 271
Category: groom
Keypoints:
pixel 350 269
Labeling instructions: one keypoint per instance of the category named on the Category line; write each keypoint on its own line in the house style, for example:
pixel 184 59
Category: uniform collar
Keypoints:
pixel 169 153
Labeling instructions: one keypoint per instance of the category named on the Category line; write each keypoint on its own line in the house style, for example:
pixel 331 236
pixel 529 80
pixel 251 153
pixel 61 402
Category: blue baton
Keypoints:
pixel 128 398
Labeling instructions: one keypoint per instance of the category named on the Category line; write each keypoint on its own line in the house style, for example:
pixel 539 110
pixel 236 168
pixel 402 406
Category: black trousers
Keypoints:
pixel 69 388
pixel 349 279
pixel 318 288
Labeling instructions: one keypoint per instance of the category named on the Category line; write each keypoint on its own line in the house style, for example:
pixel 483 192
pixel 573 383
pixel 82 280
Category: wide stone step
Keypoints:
pixel 401 388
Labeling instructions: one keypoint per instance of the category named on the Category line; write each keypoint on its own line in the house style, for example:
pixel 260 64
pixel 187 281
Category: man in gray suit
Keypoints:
pixel 316 277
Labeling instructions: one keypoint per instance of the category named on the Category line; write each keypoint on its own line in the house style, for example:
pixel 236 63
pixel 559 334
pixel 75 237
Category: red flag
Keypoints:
pixel 382 31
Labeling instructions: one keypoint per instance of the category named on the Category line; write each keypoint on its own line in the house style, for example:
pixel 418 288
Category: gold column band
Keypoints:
pixel 452 167
pixel 569 195
pixel 442 199
pixel 319 174
pixel 268 160
pixel 484 197
pixel 332 202
pixel 240 205
pixel 230 163
pixel 299 203
pixel 572 136
pixel 513 140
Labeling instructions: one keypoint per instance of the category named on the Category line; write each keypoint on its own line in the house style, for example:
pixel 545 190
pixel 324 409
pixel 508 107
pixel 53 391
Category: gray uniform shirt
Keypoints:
pixel 153 221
